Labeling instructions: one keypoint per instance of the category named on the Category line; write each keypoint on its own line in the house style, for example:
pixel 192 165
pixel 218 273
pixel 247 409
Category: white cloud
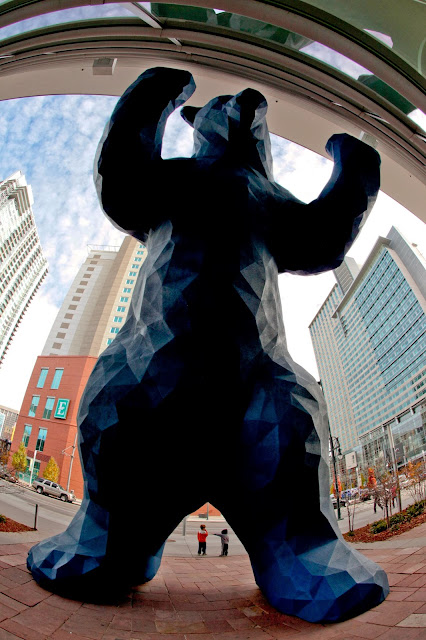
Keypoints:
pixel 299 170
pixel 178 139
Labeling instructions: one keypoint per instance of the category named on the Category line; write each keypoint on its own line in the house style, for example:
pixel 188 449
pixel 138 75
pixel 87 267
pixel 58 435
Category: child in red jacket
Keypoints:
pixel 202 535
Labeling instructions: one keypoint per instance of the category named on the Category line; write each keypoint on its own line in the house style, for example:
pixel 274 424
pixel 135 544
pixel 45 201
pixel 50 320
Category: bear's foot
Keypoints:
pixel 74 571
pixel 325 583
pixel 81 562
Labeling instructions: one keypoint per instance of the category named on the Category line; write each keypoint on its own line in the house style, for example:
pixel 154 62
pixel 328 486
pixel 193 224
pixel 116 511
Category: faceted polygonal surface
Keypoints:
pixel 197 399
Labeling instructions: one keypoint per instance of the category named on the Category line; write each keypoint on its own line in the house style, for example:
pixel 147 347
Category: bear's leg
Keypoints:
pixel 89 562
pixel 102 555
pixel 116 539
pixel 300 560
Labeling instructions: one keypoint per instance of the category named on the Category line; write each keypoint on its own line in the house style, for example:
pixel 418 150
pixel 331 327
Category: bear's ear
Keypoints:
pixel 189 113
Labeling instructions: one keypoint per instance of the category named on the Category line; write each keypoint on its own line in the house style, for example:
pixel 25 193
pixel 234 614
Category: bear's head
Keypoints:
pixel 233 127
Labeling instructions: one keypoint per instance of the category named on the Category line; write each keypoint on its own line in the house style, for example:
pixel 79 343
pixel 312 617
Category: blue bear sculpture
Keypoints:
pixel 203 351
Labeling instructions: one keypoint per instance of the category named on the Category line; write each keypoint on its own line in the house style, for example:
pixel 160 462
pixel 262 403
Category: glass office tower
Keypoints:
pixel 370 348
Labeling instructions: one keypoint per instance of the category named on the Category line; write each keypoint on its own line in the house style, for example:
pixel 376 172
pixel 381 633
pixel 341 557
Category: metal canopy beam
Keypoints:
pixel 320 99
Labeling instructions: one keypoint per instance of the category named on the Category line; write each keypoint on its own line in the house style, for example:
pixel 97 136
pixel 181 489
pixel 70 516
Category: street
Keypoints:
pixel 19 503
pixel 364 512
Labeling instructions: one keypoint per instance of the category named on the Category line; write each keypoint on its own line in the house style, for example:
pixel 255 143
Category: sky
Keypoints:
pixel 53 140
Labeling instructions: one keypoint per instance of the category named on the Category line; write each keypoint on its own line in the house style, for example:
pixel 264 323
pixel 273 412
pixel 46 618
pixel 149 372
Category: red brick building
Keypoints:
pixel 47 422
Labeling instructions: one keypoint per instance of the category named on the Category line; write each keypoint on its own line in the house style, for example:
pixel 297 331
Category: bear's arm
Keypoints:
pixel 311 238
pixel 128 165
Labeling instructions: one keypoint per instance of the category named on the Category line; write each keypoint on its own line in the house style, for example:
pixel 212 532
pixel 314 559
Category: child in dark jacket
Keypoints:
pixel 225 541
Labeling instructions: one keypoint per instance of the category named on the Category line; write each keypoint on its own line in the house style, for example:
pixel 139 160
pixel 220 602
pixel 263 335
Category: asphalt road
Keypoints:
pixel 19 503
pixel 53 516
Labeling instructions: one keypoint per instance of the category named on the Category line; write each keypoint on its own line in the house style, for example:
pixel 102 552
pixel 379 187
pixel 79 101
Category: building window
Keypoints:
pixel 139 253
pixel 56 345
pixel 34 405
pixel 27 433
pixel 129 281
pixel 114 329
pixel 42 433
pixel 138 260
pixel 124 299
pixel 132 273
pixel 36 469
pixel 118 319
pixel 42 378
pixel 57 378
pixel 109 341
pixel 121 309
pixel 48 408
pixel 127 290
pixel 134 266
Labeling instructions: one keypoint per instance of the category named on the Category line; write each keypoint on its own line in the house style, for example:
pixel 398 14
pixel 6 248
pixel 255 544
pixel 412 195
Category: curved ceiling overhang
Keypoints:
pixel 308 99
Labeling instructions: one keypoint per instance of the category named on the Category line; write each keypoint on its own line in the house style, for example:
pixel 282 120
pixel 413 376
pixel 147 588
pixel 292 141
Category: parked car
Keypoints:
pixel 334 501
pixel 5 474
pixel 41 485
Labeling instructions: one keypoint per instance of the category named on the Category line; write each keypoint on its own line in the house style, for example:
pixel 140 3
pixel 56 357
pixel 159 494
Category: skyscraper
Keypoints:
pixel 93 311
pixel 22 264
pixel 8 418
pixel 97 303
pixel 370 346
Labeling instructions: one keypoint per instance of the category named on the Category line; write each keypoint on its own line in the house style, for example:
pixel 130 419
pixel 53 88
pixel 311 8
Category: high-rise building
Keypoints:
pixel 8 418
pixel 369 339
pixel 22 264
pixel 97 303
pixel 93 311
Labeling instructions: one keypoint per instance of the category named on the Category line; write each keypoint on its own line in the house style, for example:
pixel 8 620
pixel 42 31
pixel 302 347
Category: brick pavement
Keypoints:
pixel 209 598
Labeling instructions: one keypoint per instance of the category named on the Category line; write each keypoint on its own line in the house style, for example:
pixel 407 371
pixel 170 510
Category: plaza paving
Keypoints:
pixel 207 598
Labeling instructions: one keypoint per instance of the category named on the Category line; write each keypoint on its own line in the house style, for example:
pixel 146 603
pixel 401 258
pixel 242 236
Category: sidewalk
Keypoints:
pixel 208 598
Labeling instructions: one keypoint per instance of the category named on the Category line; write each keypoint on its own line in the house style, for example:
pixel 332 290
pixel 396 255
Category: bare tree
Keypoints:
pixel 384 491
pixel 415 474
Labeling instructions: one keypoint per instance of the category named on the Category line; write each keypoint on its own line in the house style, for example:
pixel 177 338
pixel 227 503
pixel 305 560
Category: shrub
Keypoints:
pixel 415 509
pixel 2 518
pixel 397 518
pixel 394 527
pixel 377 527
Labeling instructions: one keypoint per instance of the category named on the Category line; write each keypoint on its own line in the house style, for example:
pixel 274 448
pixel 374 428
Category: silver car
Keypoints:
pixel 41 485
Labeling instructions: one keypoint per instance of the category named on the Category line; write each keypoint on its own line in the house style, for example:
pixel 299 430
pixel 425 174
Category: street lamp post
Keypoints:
pixel 71 455
pixel 335 446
